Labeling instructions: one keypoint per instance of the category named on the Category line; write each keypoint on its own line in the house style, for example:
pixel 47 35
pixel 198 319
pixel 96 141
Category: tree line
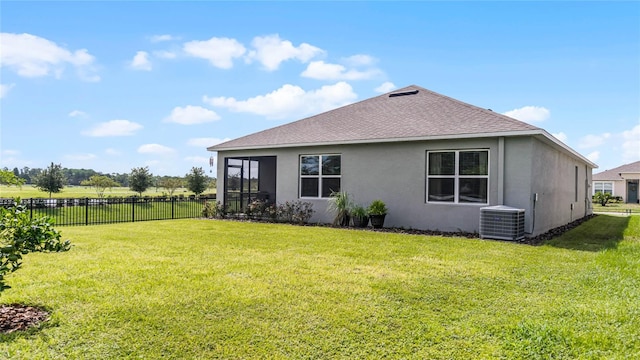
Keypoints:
pixel 54 178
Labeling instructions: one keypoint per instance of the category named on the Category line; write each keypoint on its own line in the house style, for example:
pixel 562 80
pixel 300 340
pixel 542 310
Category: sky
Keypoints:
pixel 111 86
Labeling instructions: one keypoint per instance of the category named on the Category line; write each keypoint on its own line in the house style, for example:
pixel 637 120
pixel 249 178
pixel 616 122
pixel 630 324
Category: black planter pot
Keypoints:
pixel 360 221
pixel 377 220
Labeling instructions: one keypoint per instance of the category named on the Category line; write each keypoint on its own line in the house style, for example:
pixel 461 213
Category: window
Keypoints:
pixel 603 187
pixel 458 176
pixel 320 175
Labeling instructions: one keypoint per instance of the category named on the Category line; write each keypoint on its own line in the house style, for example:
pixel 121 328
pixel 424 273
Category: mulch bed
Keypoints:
pixel 537 240
pixel 17 317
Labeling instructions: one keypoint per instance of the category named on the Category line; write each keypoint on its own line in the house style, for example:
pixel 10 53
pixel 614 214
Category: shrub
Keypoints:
pixel 20 235
pixel 257 209
pixel 295 212
pixel 377 207
pixel 602 198
pixel 213 210
pixel 340 204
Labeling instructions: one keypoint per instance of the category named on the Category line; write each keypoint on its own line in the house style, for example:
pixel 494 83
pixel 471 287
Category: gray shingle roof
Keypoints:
pixel 614 174
pixel 424 114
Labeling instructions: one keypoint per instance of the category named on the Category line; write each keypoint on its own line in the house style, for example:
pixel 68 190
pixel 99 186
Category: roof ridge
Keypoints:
pixel 474 107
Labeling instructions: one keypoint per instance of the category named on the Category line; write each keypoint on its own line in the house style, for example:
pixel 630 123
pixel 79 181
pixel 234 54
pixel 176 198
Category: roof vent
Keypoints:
pixel 404 93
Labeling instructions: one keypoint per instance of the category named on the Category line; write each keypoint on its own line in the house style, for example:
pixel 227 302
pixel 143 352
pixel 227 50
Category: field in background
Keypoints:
pixel 205 289
pixel 29 191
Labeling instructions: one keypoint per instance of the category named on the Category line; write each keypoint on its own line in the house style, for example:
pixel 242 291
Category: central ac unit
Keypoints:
pixel 501 222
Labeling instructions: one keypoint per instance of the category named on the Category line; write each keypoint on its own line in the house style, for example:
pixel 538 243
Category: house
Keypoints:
pixel 435 161
pixel 621 181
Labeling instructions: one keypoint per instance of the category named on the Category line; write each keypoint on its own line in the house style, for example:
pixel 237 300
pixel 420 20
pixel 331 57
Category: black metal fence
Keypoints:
pixel 88 211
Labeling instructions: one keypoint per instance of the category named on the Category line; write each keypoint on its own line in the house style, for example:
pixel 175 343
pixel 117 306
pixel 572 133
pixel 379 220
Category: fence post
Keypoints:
pixel 133 209
pixel 86 211
pixel 31 209
pixel 173 202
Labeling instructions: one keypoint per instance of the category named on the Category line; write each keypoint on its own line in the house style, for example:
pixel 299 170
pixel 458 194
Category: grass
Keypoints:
pixel 617 207
pixel 206 289
pixel 29 191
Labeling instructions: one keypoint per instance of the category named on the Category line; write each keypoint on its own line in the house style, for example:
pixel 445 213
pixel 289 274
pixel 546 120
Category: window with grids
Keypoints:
pixel 320 175
pixel 603 187
pixel 460 176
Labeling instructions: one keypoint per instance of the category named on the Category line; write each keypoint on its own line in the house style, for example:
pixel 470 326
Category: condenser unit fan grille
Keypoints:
pixel 501 222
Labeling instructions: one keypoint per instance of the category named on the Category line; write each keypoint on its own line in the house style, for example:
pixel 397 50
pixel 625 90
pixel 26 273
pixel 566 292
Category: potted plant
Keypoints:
pixel 359 216
pixel 339 203
pixel 377 211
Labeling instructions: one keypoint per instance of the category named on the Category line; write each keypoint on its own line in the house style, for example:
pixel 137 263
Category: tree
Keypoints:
pixel 100 183
pixel 140 179
pixel 9 178
pixel 51 179
pixel 171 184
pixel 197 181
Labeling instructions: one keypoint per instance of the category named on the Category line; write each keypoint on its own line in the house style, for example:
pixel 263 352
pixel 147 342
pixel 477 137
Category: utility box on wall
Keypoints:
pixel 501 222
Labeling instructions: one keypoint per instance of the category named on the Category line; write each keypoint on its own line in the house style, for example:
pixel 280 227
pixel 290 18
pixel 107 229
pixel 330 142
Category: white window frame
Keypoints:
pixel 320 175
pixel 457 177
pixel 601 187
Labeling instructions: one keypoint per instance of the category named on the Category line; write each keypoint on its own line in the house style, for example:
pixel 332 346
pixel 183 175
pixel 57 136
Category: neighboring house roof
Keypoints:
pixel 614 174
pixel 408 114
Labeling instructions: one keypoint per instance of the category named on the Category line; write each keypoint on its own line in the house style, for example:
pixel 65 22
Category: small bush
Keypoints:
pixel 214 210
pixel 20 235
pixel 295 212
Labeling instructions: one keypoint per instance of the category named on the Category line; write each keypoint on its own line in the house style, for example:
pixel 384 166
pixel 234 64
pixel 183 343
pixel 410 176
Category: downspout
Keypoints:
pixel 501 170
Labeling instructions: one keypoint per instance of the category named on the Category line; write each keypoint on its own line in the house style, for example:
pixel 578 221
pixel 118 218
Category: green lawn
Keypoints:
pixel 206 289
pixel 29 191
pixel 617 207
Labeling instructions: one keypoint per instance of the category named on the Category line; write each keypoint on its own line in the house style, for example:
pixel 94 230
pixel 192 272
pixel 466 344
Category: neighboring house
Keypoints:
pixel 435 161
pixel 621 181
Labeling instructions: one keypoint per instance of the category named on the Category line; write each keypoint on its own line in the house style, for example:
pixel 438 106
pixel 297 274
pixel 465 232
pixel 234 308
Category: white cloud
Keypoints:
pixel 561 136
pixel 594 156
pixel 164 54
pixel 591 141
pixel 78 113
pixel 205 142
pixel 385 87
pixel 271 51
pixel 320 70
pixel 141 61
pixel 114 128
pixel 112 152
pixel 164 37
pixel 155 149
pixel 289 101
pixel 10 152
pixel 219 51
pixel 529 114
pixel 631 144
pixel 360 60
pixel 4 89
pixel 80 157
pixel 33 56
pixel 197 159
pixel 190 115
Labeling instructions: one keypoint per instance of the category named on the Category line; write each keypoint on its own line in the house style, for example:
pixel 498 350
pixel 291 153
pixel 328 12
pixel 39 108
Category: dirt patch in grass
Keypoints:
pixel 17 317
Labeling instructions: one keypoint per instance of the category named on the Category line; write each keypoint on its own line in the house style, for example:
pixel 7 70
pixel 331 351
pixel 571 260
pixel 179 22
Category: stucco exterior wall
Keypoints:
pixel 563 187
pixel 396 173
pixel 518 158
pixel 393 172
